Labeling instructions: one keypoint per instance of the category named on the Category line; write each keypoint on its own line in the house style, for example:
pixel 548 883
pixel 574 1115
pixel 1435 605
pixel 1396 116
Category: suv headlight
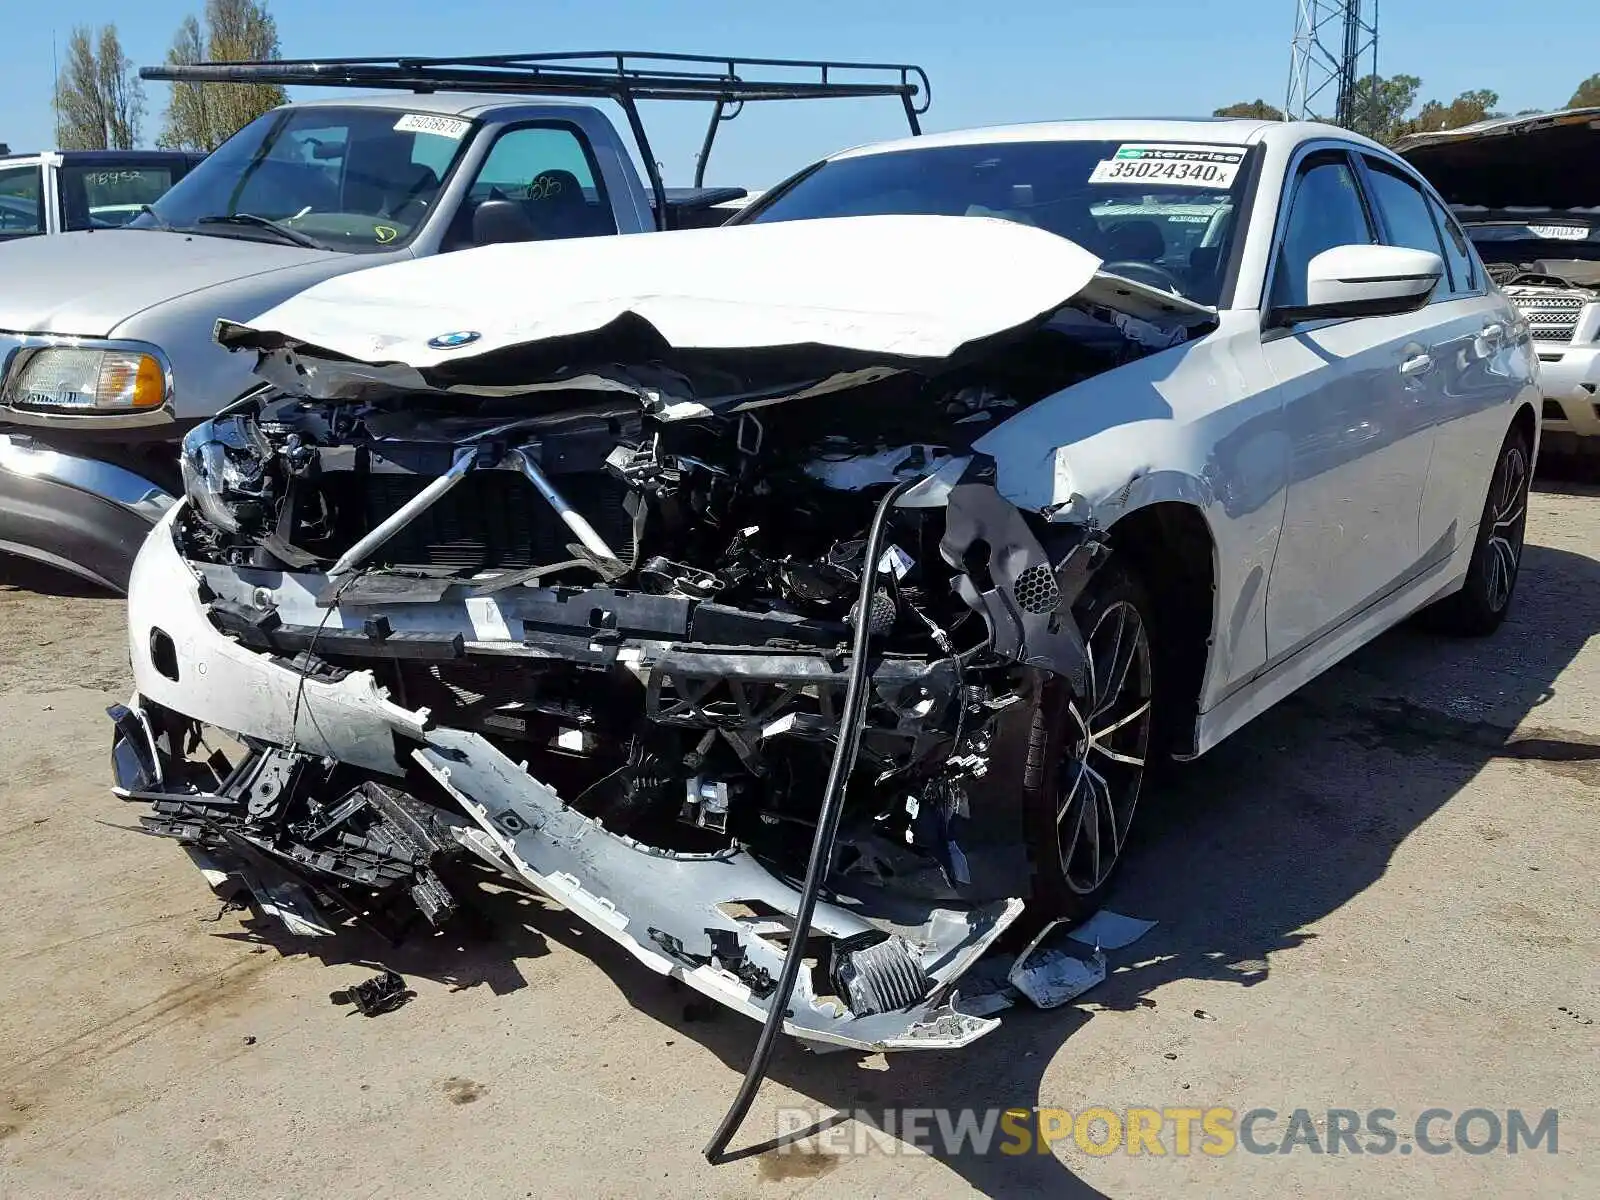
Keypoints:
pixel 72 379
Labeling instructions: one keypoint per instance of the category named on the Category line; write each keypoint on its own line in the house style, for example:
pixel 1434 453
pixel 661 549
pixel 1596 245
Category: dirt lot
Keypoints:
pixel 1381 895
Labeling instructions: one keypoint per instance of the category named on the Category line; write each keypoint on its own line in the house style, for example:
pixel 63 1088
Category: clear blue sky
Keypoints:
pixel 990 60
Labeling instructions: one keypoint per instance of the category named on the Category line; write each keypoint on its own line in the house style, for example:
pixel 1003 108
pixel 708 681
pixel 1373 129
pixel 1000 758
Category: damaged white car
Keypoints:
pixel 800 602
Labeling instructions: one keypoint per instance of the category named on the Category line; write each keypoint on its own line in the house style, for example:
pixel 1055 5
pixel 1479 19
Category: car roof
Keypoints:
pixel 1224 130
pixel 454 104
pixel 119 156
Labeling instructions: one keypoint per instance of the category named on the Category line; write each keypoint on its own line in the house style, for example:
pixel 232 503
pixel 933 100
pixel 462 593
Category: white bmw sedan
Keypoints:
pixel 837 570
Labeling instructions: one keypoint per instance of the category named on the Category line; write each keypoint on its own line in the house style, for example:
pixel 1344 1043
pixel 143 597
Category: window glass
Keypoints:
pixel 1457 250
pixel 1405 214
pixel 100 196
pixel 546 174
pixel 349 178
pixel 21 201
pixel 1326 211
pixel 1171 228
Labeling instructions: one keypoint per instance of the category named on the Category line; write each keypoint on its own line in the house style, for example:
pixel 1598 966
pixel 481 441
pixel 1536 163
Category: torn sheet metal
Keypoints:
pixel 915 287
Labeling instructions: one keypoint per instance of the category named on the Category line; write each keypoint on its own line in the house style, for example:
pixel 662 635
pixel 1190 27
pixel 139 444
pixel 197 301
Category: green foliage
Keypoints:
pixel 1258 109
pixel 99 101
pixel 1381 105
pixel 1587 95
pixel 201 116
pixel 1463 110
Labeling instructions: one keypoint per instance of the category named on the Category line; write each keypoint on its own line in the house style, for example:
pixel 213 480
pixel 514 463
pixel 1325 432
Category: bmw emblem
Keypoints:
pixel 454 341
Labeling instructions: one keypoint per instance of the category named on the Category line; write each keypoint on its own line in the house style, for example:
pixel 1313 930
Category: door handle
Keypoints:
pixel 1417 364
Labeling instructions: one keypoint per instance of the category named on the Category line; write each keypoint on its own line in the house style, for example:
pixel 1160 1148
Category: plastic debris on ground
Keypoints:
pixel 1108 930
pixel 1052 971
pixel 380 994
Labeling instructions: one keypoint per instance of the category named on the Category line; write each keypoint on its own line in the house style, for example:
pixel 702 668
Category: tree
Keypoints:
pixel 1381 105
pixel 1259 109
pixel 1587 95
pixel 1463 110
pixel 201 116
pixel 99 100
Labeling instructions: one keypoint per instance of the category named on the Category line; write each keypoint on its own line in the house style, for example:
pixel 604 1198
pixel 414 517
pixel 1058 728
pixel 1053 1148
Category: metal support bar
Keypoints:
pixel 652 169
pixel 407 512
pixel 571 517
pixel 705 146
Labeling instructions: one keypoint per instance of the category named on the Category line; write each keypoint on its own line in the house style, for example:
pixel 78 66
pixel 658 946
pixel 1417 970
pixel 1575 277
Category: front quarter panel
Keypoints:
pixel 1199 424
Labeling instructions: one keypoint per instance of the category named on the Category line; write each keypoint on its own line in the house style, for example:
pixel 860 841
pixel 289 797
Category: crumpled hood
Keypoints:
pixel 1545 160
pixel 903 287
pixel 86 284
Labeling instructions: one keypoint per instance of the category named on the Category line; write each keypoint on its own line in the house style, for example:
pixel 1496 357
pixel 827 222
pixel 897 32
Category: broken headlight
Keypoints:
pixel 224 464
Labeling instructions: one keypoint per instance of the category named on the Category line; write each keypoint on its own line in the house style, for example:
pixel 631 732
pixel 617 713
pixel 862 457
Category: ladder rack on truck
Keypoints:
pixel 625 76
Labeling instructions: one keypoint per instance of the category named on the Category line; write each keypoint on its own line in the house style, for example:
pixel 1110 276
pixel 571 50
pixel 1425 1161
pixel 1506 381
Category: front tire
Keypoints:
pixel 1087 753
pixel 1485 597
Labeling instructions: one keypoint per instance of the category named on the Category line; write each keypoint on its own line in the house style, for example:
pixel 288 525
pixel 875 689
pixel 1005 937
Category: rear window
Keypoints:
pixel 105 196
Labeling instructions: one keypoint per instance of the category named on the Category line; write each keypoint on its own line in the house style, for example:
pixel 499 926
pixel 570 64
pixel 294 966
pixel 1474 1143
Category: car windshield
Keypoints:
pixel 359 179
pixel 1159 213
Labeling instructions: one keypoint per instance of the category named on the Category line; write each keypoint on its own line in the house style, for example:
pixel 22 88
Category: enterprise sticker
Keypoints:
pixel 1560 233
pixel 450 127
pixel 1191 166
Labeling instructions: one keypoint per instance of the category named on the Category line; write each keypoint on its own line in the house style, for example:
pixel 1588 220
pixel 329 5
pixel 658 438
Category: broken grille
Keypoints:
pixel 1551 318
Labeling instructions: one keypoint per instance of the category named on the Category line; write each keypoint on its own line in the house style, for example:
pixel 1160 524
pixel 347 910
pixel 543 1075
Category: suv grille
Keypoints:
pixel 1551 318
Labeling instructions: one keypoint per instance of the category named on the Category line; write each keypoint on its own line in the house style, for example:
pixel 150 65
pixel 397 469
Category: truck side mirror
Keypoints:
pixel 496 221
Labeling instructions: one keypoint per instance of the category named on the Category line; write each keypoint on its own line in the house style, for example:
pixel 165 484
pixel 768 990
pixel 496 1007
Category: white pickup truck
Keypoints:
pixel 106 349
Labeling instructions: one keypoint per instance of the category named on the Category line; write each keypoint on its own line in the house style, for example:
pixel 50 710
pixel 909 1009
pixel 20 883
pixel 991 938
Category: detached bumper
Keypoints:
pixel 715 921
pixel 77 514
pixel 1569 378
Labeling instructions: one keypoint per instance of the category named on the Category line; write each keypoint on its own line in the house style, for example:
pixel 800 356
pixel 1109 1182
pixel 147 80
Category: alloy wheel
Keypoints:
pixel 1104 761
pixel 1508 519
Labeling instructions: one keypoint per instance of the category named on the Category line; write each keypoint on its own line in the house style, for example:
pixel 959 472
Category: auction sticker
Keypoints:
pixel 450 127
pixel 1560 233
pixel 1190 166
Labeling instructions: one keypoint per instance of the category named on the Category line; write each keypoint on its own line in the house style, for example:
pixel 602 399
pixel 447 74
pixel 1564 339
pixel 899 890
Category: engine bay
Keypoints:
pixel 678 596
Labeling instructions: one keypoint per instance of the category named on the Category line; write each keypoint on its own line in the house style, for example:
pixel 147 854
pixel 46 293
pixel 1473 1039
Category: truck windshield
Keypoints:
pixel 357 179
pixel 1160 213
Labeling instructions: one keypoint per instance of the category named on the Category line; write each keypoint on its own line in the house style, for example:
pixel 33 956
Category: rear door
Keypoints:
pixel 1356 413
pixel 1472 377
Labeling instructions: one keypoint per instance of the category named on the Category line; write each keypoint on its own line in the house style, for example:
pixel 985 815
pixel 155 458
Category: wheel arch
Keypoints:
pixel 1171 546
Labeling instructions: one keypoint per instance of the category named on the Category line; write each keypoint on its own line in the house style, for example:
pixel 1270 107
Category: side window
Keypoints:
pixel 1405 213
pixel 1325 211
pixel 547 176
pixel 21 201
pixel 1457 251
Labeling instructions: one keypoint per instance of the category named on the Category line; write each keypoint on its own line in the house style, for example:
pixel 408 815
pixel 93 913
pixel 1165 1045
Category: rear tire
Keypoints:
pixel 1087 753
pixel 1485 597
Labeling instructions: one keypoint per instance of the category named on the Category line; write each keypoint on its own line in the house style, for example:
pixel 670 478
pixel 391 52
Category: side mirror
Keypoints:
pixel 497 221
pixel 1364 281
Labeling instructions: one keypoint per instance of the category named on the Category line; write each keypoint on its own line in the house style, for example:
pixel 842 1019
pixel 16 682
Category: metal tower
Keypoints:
pixel 1333 40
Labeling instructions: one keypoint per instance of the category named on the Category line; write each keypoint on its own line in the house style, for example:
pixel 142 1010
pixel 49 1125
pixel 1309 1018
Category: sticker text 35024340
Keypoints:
pixel 1185 166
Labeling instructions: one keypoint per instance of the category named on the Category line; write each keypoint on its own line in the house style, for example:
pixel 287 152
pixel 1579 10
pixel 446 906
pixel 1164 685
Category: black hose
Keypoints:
pixel 832 807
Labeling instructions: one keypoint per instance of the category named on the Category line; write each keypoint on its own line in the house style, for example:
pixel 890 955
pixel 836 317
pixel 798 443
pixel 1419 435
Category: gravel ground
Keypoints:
pixel 1380 895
